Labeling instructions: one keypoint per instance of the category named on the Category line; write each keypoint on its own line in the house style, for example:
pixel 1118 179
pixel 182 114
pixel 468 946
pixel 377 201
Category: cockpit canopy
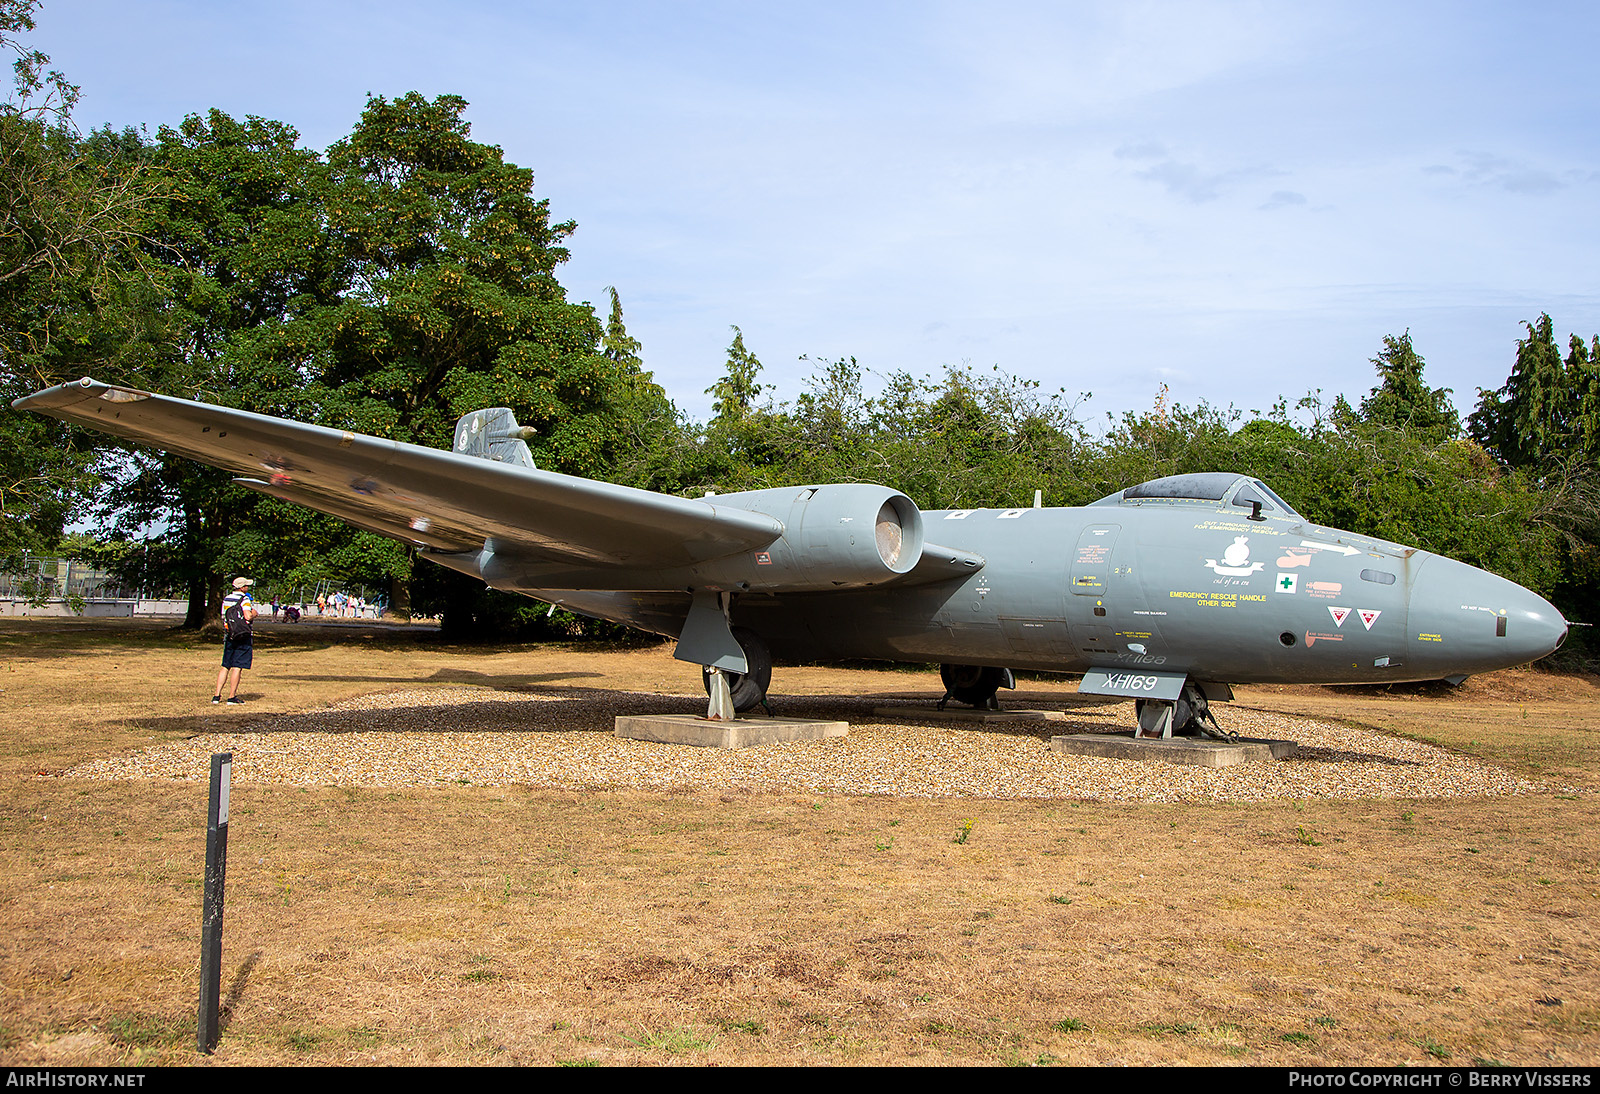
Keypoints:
pixel 1209 488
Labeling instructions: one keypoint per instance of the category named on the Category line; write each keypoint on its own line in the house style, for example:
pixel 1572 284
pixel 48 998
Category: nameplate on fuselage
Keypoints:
pixel 1133 685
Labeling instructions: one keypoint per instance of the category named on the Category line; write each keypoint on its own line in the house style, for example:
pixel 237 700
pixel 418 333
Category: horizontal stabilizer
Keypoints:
pixel 494 434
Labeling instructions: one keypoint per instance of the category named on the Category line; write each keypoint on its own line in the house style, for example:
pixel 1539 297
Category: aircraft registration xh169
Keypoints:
pixel 1167 592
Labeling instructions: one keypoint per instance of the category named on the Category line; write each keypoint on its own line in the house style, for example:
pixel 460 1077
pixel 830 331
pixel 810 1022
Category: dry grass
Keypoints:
pixel 498 925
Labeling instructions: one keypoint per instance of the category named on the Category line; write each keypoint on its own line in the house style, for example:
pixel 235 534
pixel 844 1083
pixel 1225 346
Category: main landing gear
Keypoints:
pixel 749 689
pixel 974 685
pixel 1185 716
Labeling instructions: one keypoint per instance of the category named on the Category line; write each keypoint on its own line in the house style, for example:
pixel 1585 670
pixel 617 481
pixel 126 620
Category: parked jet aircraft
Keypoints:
pixel 1166 592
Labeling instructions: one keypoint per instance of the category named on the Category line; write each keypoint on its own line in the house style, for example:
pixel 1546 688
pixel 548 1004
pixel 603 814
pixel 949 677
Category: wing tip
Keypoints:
pixel 77 391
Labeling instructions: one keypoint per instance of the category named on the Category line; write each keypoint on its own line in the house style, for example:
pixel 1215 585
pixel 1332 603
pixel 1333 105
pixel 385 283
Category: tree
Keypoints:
pixel 1546 418
pixel 973 438
pixel 403 281
pixel 453 305
pixel 61 212
pixel 236 241
pixel 735 394
pixel 68 211
pixel 1530 418
pixel 969 439
pixel 1543 425
pixel 649 428
pixel 1402 401
pixel 617 345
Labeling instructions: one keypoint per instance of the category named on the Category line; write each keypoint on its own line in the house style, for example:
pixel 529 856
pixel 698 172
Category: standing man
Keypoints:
pixel 236 645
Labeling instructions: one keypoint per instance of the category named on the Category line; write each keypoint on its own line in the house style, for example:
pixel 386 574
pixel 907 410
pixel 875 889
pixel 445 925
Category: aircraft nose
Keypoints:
pixel 1538 626
pixel 1466 620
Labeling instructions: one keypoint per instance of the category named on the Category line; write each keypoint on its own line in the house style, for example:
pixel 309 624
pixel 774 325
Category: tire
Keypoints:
pixel 974 685
pixel 749 689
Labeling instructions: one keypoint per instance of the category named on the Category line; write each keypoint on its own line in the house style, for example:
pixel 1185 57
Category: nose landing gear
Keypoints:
pixel 748 689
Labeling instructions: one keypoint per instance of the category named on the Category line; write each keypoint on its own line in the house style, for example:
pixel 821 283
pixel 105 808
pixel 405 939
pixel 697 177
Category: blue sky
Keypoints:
pixel 1238 200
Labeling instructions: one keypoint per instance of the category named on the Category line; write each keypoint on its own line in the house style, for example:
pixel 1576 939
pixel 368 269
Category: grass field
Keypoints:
pixel 465 924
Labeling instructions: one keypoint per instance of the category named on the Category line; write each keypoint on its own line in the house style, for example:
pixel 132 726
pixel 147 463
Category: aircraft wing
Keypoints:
pixel 427 496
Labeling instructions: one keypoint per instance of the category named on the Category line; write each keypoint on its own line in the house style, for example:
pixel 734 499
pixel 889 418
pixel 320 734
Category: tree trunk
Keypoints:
pixel 195 616
pixel 400 599
pixel 456 621
pixel 214 594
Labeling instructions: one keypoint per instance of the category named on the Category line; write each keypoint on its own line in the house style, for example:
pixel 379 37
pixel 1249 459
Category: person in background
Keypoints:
pixel 237 647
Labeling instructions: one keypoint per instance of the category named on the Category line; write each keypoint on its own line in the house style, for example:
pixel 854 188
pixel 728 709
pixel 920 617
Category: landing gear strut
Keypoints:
pixel 974 685
pixel 749 689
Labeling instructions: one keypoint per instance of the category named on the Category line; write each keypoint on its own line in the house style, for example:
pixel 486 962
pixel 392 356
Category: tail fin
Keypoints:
pixel 493 434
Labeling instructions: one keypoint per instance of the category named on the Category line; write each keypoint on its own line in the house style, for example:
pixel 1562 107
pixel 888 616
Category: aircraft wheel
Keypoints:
pixel 749 688
pixel 974 685
pixel 1192 710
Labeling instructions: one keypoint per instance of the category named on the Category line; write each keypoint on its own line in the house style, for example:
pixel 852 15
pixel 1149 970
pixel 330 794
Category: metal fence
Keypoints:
pixel 41 577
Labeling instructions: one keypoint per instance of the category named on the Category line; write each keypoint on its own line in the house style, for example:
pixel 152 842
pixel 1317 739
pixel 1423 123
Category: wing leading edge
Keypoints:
pixel 436 499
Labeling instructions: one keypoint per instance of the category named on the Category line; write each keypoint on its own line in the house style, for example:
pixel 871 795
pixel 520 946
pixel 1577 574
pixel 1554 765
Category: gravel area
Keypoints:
pixel 484 737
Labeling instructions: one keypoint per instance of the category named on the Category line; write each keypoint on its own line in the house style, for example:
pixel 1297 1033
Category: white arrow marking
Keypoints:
pixel 1341 548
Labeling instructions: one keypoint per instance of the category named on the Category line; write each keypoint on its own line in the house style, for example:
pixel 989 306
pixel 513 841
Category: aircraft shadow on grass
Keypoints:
pixel 558 709
pixel 493 681
pixel 594 710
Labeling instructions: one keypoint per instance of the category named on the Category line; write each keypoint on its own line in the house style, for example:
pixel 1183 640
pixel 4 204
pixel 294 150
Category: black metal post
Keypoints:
pixel 215 883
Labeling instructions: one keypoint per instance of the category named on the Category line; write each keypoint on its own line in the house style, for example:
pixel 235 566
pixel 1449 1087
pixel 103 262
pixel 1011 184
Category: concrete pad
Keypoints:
pixel 693 729
pixel 1179 750
pixel 932 714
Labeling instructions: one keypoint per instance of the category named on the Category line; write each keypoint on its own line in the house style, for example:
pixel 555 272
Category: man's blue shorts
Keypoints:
pixel 236 655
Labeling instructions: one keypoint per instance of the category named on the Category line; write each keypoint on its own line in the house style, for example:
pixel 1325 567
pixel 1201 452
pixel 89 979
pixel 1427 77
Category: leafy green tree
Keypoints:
pixel 1545 420
pixel 235 241
pixel 1543 425
pixel 64 212
pixel 68 210
pixel 453 305
pixel 735 394
pixel 648 428
pixel 977 439
pixel 403 281
pixel 744 443
pixel 1402 401
pixel 967 440
pixel 617 344
pixel 1529 419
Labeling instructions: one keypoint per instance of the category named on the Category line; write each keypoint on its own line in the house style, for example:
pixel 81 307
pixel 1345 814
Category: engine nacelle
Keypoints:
pixel 846 535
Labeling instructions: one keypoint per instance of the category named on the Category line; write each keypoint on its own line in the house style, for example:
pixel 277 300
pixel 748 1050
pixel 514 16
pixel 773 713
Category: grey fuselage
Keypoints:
pixel 1170 585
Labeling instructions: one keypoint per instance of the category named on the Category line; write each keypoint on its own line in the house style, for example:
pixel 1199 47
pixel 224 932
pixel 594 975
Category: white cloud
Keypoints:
pixel 1282 199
